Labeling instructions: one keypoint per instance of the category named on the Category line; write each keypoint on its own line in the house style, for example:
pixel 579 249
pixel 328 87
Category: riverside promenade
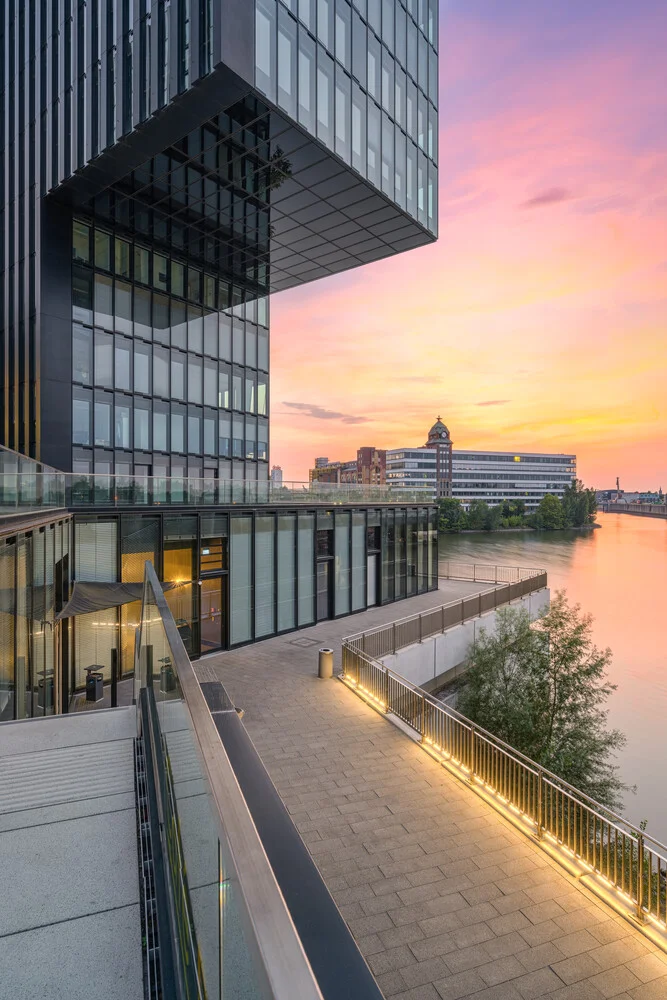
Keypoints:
pixel 445 898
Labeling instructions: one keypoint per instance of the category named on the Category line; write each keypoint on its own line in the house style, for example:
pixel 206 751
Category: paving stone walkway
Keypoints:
pixel 445 898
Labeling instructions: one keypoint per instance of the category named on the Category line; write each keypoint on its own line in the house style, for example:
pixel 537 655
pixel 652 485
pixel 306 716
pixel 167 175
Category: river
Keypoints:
pixel 617 573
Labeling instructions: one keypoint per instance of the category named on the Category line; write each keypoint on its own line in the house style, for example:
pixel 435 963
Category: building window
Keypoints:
pixel 81 421
pixel 265 45
pixel 122 426
pixel 103 424
pixel 141 428
pixel 81 242
pixel 178 432
pixel 287 62
pixel 82 355
pixel 307 84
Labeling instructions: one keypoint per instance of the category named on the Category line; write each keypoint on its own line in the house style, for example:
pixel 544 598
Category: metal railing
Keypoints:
pixel 622 856
pixel 384 640
pixel 27 485
pixel 29 490
pixel 647 509
pixel 230 929
pixel 486 572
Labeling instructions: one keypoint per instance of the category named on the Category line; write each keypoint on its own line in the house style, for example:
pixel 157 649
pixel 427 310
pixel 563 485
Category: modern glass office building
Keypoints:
pixel 164 167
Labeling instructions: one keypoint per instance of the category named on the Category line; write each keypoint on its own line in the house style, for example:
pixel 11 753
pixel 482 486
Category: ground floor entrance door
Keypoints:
pixel 324 588
pixel 213 614
pixel 372 564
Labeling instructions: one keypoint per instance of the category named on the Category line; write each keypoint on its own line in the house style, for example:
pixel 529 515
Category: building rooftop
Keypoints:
pixel 445 898
pixel 68 840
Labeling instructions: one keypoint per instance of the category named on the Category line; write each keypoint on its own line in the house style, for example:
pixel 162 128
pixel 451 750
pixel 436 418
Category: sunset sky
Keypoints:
pixel 539 319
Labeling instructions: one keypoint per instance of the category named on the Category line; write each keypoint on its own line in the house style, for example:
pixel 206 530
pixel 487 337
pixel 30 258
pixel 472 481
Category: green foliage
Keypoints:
pixel 452 516
pixel 477 517
pixel 577 509
pixel 542 688
pixel 512 509
pixel 549 515
pixel 579 505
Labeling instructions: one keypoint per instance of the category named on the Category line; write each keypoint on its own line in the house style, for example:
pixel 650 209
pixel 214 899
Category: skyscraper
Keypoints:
pixel 164 167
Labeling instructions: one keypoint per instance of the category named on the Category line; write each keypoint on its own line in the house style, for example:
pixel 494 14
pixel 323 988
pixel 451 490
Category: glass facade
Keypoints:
pixel 240 577
pixel 35 568
pixel 363 77
pixel 156 345
pixel 307 147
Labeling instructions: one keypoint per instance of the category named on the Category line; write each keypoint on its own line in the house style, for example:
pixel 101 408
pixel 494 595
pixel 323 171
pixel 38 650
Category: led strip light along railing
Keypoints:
pixel 619 861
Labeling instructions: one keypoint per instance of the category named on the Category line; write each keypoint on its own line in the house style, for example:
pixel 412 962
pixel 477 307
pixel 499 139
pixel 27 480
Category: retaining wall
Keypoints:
pixel 440 659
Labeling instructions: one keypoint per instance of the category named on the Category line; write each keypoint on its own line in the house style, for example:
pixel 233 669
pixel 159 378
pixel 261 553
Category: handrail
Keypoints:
pixel 386 639
pixel 281 964
pixel 109 490
pixel 610 847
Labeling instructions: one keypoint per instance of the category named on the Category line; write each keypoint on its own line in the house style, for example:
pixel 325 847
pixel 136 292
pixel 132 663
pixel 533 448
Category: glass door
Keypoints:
pixel 212 615
pixel 372 580
pixel 324 575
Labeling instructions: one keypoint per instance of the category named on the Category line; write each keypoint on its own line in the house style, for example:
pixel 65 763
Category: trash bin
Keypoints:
pixel 325 664
pixel 45 692
pixel 167 678
pixel 94 684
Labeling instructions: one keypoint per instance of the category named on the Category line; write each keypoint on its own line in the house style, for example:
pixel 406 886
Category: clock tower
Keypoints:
pixel 440 441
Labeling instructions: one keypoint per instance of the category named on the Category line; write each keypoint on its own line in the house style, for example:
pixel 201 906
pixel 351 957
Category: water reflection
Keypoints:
pixel 617 573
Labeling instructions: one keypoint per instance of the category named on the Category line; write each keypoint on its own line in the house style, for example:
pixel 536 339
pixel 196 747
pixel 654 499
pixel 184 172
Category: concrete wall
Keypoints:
pixel 437 660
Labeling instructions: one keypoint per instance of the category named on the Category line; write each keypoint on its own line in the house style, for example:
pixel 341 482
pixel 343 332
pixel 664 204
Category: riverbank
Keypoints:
pixel 509 531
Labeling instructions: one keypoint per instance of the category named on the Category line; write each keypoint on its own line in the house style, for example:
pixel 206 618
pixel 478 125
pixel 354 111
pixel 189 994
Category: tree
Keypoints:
pixel 542 688
pixel 478 511
pixel 549 514
pixel 513 508
pixel 492 517
pixel 452 517
pixel 579 505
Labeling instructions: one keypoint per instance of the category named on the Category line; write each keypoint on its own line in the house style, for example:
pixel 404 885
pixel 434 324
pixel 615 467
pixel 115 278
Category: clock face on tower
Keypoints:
pixel 443 435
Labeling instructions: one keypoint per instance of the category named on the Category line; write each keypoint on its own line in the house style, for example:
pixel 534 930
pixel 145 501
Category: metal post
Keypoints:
pixel 19 688
pixel 386 688
pixel 539 804
pixel 640 878
pixel 393 637
pixel 114 678
pixel 471 775
pixel 479 604
pixel 422 728
pixel 442 615
pixel 421 629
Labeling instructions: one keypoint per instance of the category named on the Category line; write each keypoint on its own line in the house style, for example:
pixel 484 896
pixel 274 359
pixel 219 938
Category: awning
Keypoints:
pixel 88 597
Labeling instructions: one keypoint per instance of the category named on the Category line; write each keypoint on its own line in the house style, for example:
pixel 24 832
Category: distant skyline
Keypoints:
pixel 538 322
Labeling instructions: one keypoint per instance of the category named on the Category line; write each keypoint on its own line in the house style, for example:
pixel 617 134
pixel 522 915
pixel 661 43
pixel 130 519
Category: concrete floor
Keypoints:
pixel 445 898
pixel 69 921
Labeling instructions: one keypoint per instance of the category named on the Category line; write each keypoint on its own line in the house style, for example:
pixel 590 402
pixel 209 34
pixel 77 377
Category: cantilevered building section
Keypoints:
pixel 164 167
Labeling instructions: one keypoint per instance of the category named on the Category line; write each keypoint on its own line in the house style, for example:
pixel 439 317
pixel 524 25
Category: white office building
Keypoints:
pixel 413 469
pixel 492 476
